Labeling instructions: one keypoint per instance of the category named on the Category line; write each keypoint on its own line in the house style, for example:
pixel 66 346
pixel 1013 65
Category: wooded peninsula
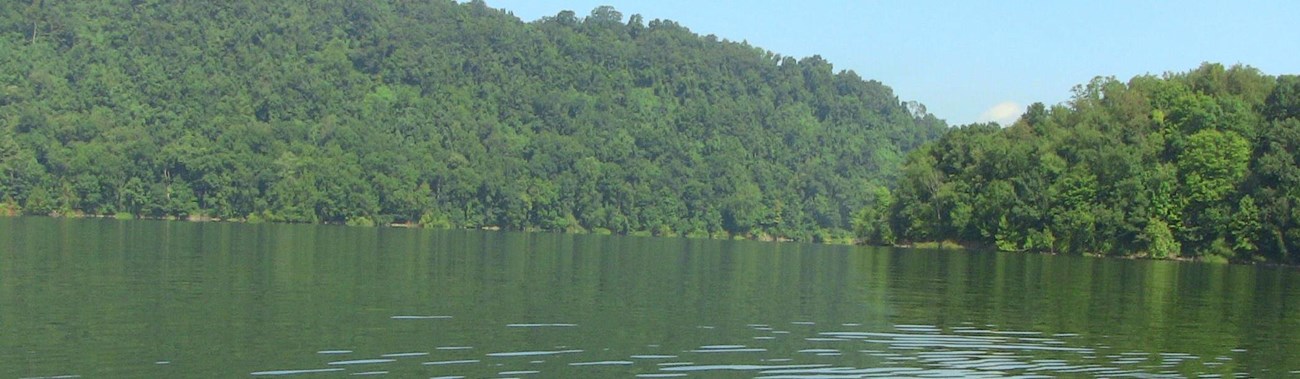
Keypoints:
pixel 446 114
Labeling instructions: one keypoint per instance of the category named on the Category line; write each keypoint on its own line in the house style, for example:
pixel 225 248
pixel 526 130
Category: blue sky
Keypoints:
pixel 985 60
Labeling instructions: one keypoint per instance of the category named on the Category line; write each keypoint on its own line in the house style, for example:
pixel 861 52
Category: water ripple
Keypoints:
pixel 652 356
pixel 455 362
pixel 404 355
pixel 361 362
pixel 601 363
pixel 532 353
pixel 294 372
pixel 735 350
pixel 901 350
pixel 738 367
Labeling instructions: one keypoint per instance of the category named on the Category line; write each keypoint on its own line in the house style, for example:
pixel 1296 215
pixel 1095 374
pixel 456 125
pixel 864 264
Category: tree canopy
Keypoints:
pixel 447 114
pixel 1203 164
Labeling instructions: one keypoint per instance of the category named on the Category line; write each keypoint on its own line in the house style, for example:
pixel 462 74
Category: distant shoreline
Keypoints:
pixel 913 245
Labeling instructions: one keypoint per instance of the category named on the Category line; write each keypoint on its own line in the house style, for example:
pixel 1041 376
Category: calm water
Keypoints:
pixel 101 298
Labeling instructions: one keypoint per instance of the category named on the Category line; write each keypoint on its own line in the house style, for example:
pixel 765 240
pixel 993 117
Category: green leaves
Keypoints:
pixel 1193 164
pixel 1160 242
pixel 873 224
pixel 1212 164
pixel 446 114
pixel 1284 102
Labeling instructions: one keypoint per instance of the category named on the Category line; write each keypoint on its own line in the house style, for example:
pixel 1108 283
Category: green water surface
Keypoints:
pixel 107 298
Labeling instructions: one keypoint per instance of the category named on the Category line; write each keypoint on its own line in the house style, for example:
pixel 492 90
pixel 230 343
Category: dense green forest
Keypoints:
pixel 434 113
pixel 1202 164
pixel 449 114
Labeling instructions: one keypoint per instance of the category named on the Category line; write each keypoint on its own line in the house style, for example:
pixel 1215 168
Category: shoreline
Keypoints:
pixel 722 236
pixel 761 237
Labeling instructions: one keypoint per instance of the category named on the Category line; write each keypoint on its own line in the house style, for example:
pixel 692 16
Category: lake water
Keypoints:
pixel 104 298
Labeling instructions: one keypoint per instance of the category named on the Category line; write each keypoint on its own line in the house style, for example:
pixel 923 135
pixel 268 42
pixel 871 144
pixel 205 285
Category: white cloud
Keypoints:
pixel 1004 113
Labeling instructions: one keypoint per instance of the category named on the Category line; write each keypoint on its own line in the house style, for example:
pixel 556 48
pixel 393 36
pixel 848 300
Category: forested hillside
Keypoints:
pixel 436 113
pixel 1202 164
